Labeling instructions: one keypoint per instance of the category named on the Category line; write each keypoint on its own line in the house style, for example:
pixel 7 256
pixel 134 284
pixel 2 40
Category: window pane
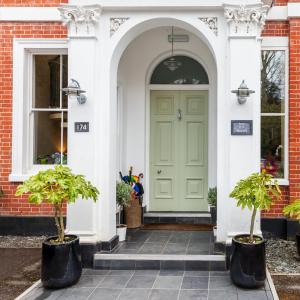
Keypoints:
pixel 188 72
pixel 273 81
pixel 49 142
pixel 272 145
pixel 65 139
pixel 64 80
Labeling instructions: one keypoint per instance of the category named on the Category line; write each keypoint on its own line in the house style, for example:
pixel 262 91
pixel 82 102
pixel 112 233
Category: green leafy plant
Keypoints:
pixel 56 187
pixel 257 191
pixel 123 193
pixel 293 210
pixel 1 192
pixel 212 196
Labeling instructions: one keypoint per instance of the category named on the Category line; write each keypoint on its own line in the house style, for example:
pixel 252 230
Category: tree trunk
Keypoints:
pixel 252 225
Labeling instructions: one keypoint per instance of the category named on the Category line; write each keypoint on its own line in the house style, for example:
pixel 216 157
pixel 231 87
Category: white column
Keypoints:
pixel 242 152
pixel 82 44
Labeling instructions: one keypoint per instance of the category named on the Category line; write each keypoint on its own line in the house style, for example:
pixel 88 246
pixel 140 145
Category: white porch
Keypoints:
pixel 113 52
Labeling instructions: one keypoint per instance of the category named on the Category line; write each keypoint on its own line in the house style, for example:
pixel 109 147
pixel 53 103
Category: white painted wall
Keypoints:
pixel 135 70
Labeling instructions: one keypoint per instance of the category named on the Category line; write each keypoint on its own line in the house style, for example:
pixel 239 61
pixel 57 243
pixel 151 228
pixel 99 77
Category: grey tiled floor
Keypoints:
pixel 167 242
pixel 152 285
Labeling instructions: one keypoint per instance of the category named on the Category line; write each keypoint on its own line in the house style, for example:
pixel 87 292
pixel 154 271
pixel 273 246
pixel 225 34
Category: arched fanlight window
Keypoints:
pixel 189 72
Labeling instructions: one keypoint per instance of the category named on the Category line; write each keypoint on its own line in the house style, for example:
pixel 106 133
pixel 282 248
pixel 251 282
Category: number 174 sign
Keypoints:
pixel 82 127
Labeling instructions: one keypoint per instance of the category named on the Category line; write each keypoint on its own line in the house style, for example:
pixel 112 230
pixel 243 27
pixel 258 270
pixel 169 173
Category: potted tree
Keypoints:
pixel 123 197
pixel 248 264
pixel 212 201
pixel 61 262
pixel 293 210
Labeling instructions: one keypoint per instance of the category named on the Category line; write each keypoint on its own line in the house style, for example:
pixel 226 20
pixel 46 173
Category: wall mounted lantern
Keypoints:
pixel 73 89
pixel 242 92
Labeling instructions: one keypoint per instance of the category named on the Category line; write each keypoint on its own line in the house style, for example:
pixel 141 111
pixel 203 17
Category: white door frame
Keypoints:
pixel 168 87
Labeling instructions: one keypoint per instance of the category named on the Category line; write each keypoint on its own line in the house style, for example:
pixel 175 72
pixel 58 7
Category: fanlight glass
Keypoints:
pixel 189 72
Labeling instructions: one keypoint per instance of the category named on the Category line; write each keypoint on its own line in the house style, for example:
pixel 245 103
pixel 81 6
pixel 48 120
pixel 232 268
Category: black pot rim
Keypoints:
pixel 298 233
pixel 46 241
pixel 121 226
pixel 247 244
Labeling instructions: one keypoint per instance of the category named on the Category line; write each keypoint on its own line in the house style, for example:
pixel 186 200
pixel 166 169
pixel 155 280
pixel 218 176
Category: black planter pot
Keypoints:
pixel 248 263
pixel 61 264
pixel 298 242
pixel 213 212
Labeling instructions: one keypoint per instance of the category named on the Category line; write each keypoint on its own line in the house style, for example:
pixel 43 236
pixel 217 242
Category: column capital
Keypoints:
pixel 245 20
pixel 81 20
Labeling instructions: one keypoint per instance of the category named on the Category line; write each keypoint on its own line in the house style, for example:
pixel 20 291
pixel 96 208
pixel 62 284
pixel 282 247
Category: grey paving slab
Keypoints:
pixel 114 282
pixel 163 294
pixel 168 282
pixel 250 295
pixel 223 295
pixel 196 273
pixel 171 273
pixel 105 294
pixel 90 280
pixel 142 282
pixel 195 283
pixel 193 295
pixel 134 294
pixel 221 283
pixel 146 272
pixel 153 285
pixel 76 293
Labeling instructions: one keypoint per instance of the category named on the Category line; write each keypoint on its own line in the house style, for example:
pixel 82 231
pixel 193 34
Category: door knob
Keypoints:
pixel 179 115
pixel 158 171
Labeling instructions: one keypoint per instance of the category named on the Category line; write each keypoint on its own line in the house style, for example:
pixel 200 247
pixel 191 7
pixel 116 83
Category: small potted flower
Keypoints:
pixel 61 261
pixel 212 201
pixel 123 197
pixel 293 211
pixel 248 261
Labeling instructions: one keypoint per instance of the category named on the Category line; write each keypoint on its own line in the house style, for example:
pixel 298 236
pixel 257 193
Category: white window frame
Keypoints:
pixel 281 44
pixel 23 51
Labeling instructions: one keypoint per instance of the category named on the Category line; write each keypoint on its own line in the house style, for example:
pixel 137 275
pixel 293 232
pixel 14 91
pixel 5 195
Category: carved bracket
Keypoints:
pixel 81 20
pixel 246 20
pixel 115 24
pixel 212 23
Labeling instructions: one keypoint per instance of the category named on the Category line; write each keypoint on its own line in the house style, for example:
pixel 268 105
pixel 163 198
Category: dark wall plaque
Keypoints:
pixel 82 126
pixel 241 127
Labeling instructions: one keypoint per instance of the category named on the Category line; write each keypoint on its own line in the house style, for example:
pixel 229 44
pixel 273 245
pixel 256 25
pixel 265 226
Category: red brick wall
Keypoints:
pixel 276 28
pixel 294 109
pixel 10 204
pixel 32 2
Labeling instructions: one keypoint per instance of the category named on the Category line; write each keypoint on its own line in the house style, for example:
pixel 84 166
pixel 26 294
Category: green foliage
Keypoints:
pixel 293 210
pixel 123 193
pixel 257 191
pixel 212 196
pixel 57 186
pixel 1 192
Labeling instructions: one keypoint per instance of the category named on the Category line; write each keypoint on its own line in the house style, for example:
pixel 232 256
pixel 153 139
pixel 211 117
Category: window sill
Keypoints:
pixel 18 177
pixel 281 181
pixel 15 177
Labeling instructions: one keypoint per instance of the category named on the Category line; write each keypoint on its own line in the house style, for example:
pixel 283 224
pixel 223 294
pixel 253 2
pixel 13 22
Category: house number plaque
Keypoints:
pixel 241 127
pixel 82 126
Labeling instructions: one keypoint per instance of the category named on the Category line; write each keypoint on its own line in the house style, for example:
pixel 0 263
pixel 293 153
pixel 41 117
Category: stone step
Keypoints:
pixel 160 262
pixel 177 218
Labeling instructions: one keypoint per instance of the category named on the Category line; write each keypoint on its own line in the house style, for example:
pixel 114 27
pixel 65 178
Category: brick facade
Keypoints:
pixel 11 205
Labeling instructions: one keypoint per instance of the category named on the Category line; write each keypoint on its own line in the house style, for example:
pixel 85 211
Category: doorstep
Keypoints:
pixel 177 218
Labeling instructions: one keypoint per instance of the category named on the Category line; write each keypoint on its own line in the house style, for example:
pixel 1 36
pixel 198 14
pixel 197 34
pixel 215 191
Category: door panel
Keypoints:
pixel 178 151
pixel 163 153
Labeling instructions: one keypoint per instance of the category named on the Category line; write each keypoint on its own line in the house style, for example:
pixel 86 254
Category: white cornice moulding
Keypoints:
pixel 46 14
pixel 279 13
pixel 293 10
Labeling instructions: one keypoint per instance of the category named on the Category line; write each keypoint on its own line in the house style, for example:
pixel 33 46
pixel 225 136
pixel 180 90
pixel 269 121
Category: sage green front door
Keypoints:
pixel 178 150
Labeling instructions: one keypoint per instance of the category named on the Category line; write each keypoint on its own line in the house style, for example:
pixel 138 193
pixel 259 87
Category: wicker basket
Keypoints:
pixel 133 213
